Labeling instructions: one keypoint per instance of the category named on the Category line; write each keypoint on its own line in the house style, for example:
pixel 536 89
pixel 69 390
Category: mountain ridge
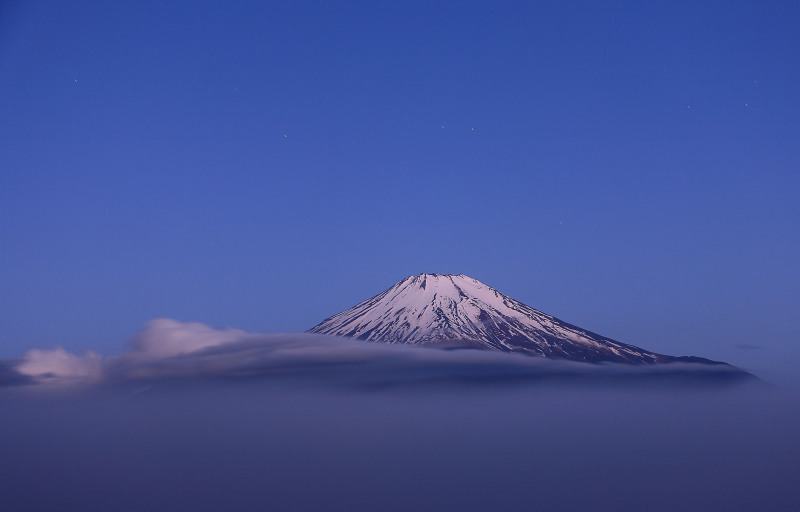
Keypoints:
pixel 457 311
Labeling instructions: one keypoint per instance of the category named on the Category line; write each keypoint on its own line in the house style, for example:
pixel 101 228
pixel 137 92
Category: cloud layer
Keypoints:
pixel 169 349
pixel 203 419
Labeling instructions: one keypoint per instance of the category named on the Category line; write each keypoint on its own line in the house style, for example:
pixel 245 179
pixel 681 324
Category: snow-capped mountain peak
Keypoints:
pixel 457 310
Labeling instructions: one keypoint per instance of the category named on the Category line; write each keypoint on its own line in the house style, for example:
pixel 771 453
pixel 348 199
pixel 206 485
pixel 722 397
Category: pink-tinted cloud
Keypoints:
pixel 164 337
pixel 59 366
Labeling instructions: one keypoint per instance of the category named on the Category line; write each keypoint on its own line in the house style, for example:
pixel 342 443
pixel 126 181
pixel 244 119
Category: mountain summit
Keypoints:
pixel 459 311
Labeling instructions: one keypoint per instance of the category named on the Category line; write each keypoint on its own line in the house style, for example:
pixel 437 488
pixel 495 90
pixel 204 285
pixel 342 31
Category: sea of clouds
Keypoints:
pixel 195 418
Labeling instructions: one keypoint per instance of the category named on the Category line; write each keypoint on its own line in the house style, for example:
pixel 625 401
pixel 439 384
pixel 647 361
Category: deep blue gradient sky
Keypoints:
pixel 629 167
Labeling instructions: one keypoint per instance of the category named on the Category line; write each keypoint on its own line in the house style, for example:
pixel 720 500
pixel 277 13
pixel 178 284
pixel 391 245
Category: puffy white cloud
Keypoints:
pixel 58 365
pixel 164 337
pixel 160 339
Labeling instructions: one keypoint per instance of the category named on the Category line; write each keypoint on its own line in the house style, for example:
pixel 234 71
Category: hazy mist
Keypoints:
pixel 193 418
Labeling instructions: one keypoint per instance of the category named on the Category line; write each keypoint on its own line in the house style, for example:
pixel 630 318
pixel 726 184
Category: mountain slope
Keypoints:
pixel 459 311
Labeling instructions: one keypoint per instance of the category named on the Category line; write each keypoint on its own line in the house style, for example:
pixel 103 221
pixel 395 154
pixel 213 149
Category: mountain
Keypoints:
pixel 461 312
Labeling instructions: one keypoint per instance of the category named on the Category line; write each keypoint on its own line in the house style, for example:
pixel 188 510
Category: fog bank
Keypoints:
pixel 202 419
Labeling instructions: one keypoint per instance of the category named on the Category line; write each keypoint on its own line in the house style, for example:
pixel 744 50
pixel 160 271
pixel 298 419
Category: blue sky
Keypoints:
pixel 629 167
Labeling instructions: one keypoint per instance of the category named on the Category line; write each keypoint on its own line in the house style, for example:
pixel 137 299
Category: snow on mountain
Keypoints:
pixel 459 311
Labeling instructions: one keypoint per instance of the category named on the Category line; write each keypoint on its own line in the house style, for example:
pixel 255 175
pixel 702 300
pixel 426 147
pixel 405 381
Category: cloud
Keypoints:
pixel 164 337
pixel 58 365
pixel 749 346
pixel 10 376
pixel 168 349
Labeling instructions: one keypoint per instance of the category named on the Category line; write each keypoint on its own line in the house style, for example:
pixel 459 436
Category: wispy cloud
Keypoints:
pixel 749 346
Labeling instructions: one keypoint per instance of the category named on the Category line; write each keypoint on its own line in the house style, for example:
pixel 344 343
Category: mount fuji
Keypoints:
pixel 457 311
